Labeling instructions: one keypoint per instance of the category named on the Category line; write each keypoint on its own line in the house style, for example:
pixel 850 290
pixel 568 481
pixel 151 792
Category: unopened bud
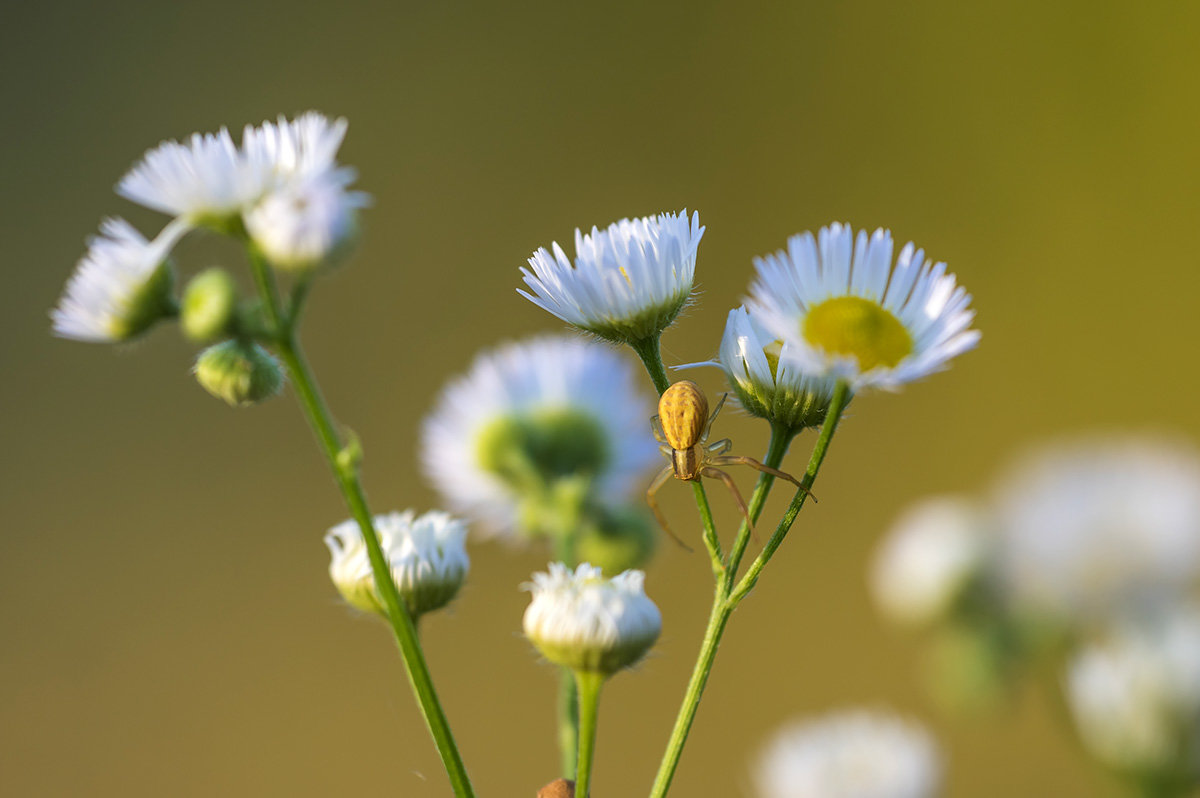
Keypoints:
pixel 208 306
pixel 239 372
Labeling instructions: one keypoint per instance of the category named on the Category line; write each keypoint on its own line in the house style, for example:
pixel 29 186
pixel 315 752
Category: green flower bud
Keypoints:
pixel 239 372
pixel 208 306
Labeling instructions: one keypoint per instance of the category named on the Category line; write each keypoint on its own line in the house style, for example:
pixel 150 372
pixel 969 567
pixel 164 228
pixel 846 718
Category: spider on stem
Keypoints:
pixel 682 426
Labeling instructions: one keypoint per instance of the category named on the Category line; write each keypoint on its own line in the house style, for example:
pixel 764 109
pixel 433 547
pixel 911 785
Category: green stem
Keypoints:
pixel 650 353
pixel 725 601
pixel 781 439
pixel 321 420
pixel 711 541
pixel 568 722
pixel 589 683
pixel 841 395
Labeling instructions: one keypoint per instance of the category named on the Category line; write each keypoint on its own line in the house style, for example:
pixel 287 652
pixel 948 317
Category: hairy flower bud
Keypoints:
pixel 239 372
pixel 208 306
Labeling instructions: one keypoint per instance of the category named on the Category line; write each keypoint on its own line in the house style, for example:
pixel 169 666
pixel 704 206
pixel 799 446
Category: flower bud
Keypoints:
pixel 240 372
pixel 426 554
pixel 588 623
pixel 209 304
pixel 766 384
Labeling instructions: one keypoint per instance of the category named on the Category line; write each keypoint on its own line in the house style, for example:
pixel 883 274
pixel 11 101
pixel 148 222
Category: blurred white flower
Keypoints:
pixel 627 283
pixel 300 149
pixel 844 312
pixel 533 417
pixel 306 222
pixel 1136 696
pixel 586 622
pixel 120 287
pixel 928 559
pixel 850 754
pixel 427 556
pixel 1097 527
pixel 764 378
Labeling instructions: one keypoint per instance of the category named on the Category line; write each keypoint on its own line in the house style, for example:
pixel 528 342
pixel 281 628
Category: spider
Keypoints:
pixel 682 426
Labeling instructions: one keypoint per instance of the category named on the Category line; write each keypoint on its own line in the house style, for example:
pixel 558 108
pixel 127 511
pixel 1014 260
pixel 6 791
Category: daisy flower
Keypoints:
pixel 533 418
pixel 1135 697
pixel 427 555
pixel 627 282
pixel 586 622
pixel 306 222
pixel 851 754
pixel 120 287
pixel 846 312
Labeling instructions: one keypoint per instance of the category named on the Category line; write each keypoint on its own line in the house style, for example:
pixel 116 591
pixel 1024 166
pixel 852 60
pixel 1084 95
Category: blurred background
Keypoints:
pixel 168 624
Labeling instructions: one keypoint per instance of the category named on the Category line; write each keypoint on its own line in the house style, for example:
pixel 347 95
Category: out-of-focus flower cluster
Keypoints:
pixel 1085 557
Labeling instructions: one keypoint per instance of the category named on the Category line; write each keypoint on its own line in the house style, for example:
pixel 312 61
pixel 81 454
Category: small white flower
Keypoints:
pixel 427 556
pixel 765 379
pixel 845 312
pixel 306 222
pixel 851 754
pixel 120 287
pixel 531 416
pixel 1095 527
pixel 207 179
pixel 586 622
pixel 301 149
pixel 1136 696
pixel 929 558
pixel 628 282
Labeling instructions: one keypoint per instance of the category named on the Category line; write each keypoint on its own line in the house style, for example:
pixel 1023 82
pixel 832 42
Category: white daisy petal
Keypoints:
pixel 844 311
pixel 627 283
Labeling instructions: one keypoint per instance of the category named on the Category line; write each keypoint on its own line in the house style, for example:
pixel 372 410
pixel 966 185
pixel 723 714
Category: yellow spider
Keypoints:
pixel 682 426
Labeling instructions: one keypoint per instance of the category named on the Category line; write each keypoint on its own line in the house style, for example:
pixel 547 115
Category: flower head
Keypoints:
pixel 300 149
pixel 764 376
pixel 1136 696
pixel 306 222
pixel 120 287
pixel 241 373
pixel 427 555
pixel 851 754
pixel 533 419
pixel 586 622
pixel 928 560
pixel 1092 528
pixel 844 311
pixel 627 283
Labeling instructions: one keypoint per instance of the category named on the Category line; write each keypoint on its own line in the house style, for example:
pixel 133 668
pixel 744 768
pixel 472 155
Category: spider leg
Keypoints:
pixel 656 428
pixel 737 459
pixel 737 494
pixel 659 480
pixel 720 447
pixel 713 417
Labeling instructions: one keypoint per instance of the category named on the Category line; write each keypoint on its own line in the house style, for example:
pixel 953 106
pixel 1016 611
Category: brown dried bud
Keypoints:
pixel 559 788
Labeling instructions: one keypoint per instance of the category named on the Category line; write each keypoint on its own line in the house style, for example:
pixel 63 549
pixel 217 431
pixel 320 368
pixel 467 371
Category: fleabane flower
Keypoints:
pixel 851 754
pixel 306 222
pixel 300 149
pixel 764 376
pixel 627 283
pixel 427 556
pixel 846 312
pixel 536 425
pixel 120 287
pixel 1089 529
pixel 932 555
pixel 1135 696
pixel 207 180
pixel 588 623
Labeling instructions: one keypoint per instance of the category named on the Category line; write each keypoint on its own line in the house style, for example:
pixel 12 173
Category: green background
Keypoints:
pixel 166 620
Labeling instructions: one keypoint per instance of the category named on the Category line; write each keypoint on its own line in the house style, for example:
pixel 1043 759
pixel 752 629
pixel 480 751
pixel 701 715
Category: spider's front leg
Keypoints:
pixel 717 473
pixel 659 480
pixel 738 459
pixel 719 447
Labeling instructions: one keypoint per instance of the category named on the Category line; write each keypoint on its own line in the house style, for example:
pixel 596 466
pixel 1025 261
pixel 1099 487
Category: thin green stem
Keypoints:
pixel 781 439
pixel 726 601
pixel 711 541
pixel 650 353
pixel 568 694
pixel 589 683
pixel 321 420
pixel 841 395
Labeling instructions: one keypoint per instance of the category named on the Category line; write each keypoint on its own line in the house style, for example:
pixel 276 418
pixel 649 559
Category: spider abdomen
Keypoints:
pixel 683 413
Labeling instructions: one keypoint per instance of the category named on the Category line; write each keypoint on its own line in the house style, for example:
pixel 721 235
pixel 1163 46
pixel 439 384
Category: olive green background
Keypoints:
pixel 166 623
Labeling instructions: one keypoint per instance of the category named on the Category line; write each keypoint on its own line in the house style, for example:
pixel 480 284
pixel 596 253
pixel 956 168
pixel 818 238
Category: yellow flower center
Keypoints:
pixel 851 325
